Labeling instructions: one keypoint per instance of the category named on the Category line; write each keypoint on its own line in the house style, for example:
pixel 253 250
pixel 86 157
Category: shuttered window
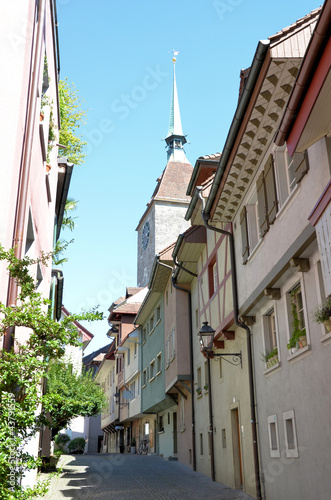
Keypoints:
pixel 244 235
pixel 270 190
pixel 262 205
pixel 301 165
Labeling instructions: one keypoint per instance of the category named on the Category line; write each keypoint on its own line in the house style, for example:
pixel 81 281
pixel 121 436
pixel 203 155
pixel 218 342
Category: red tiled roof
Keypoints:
pixel 174 181
pixel 131 290
pixel 295 25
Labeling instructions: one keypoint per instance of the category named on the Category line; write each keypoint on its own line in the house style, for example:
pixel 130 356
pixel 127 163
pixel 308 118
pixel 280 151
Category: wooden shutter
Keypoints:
pixel 301 165
pixel 270 188
pixel 262 205
pixel 244 235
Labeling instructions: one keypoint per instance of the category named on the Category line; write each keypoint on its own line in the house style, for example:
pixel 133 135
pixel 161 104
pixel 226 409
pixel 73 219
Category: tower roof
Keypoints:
pixel 175 138
pixel 175 124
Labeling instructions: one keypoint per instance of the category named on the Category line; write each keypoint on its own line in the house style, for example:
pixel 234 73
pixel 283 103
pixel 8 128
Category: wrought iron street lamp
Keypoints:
pixel 206 338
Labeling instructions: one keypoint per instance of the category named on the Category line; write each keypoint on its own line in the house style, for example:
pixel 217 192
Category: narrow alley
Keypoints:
pixel 133 477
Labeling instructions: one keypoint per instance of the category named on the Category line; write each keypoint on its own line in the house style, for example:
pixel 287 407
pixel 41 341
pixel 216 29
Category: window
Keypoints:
pixel 273 186
pixel 201 444
pixel 151 324
pixel 132 390
pixel 144 377
pixel 296 318
pixel 144 335
pixel 158 313
pixel 212 276
pixel 152 370
pixel 161 426
pixel 199 378
pixel 290 434
pixel 273 436
pixel 128 357
pixel 196 319
pixel 159 363
pixel 270 337
pixel 289 172
pixel 135 349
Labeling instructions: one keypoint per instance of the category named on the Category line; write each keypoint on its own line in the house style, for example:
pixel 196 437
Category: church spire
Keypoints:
pixel 175 139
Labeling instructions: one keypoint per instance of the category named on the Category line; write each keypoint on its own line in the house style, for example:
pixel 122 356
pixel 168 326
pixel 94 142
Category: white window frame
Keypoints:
pixel 291 448
pixel 265 315
pixel 152 370
pixel 158 364
pixel 297 279
pixel 274 452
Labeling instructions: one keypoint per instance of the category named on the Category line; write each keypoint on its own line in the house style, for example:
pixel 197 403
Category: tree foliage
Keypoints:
pixel 72 116
pixel 23 369
pixel 70 394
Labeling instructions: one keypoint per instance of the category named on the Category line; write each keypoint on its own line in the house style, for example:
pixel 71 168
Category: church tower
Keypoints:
pixel 163 219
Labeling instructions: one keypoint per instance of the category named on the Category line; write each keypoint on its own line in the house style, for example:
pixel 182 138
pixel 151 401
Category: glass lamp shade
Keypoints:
pixel 206 337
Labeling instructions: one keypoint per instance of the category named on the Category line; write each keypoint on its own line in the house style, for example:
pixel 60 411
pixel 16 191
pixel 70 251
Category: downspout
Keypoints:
pixel 22 196
pixel 194 459
pixel 205 218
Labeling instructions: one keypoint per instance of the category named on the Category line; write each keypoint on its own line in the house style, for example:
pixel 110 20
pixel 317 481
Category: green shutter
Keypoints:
pixel 270 188
pixel 301 165
pixel 244 235
pixel 262 205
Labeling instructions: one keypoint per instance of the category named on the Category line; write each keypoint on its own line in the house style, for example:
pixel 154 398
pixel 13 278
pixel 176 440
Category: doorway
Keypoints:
pixel 174 430
pixel 236 448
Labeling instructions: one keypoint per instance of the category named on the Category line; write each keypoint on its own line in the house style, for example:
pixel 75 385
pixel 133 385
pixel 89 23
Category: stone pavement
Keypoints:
pixel 133 477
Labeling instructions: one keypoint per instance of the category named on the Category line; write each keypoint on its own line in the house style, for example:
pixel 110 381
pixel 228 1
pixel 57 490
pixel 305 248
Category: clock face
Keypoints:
pixel 145 235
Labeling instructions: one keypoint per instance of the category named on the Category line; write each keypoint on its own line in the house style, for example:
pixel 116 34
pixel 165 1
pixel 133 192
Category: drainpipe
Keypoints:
pixel 194 460
pixel 22 196
pixel 205 218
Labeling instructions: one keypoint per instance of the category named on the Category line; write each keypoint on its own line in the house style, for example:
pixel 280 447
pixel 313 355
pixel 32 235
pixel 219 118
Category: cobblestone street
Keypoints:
pixel 133 477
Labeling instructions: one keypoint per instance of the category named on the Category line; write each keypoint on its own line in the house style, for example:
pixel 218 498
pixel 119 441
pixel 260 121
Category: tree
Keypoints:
pixel 22 370
pixel 71 118
pixel 70 394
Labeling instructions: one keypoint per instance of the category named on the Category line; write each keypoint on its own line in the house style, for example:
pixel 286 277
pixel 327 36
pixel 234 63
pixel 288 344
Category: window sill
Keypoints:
pixel 199 395
pixel 143 386
pixel 255 250
pixel 158 373
pixel 151 379
pixel 158 321
pixel 161 432
pixel 183 429
pixel 152 330
pixel 325 337
pixel 272 368
pixel 299 353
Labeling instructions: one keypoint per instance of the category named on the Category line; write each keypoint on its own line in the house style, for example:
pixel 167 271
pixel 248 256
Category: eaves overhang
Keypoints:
pixel 258 61
pixel 311 62
pixel 255 136
pixel 160 275
pixel 203 168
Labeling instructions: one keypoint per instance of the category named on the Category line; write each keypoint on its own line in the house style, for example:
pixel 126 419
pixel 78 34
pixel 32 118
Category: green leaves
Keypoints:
pixel 71 118
pixel 23 401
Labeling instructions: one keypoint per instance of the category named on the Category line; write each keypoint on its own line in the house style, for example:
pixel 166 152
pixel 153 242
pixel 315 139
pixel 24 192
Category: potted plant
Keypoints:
pixel 133 445
pixel 205 387
pixel 323 313
pixel 199 391
pixel 271 358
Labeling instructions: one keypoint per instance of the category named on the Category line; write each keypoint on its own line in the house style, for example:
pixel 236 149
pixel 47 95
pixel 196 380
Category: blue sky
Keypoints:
pixel 117 54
